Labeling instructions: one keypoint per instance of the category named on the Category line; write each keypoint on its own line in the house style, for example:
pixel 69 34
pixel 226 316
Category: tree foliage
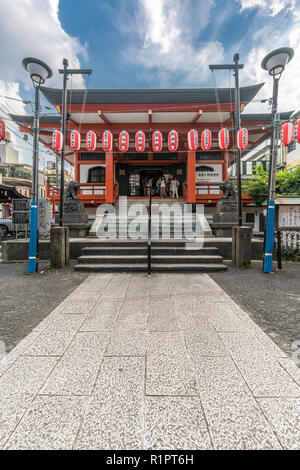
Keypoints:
pixel 257 187
pixel 287 184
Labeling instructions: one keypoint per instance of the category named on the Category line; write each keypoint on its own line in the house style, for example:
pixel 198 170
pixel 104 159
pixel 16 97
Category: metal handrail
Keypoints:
pixel 149 233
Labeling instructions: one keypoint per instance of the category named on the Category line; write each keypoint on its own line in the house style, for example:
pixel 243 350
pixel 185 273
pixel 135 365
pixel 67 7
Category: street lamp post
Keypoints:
pixel 39 72
pixel 274 63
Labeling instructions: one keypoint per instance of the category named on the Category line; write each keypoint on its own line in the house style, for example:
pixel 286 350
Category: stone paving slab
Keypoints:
pixel 18 386
pixel 131 362
pixel 175 423
pixel 240 426
pixel 284 417
pixel 49 423
pixel 114 416
pixel 170 375
pixel 76 372
pixel 55 339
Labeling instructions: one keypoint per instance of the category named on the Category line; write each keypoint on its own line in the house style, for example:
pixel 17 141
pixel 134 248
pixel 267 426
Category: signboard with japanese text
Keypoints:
pixel 209 173
pixel 289 216
pixel 21 213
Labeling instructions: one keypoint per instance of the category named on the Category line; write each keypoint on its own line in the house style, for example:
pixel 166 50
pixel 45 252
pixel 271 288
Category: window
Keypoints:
pixel 250 218
pixel 96 175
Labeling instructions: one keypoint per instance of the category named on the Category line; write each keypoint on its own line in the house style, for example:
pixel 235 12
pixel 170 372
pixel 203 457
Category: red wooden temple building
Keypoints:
pixel 104 176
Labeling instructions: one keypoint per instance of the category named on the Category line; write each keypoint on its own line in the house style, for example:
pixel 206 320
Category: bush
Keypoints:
pixel 287 184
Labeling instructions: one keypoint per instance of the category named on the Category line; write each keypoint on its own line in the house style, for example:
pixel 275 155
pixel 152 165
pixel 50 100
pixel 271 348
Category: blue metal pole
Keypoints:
pixel 269 237
pixel 33 260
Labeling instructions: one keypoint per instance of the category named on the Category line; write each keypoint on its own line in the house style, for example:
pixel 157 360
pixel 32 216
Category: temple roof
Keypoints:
pixel 254 117
pixel 194 95
pixel 7 193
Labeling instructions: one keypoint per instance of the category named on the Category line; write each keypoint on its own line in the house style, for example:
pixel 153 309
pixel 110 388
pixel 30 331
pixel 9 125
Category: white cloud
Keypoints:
pixel 168 30
pixel 32 28
pixel 272 7
pixel 289 92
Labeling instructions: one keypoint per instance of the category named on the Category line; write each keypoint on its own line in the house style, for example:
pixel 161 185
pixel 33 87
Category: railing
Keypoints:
pixel 87 192
pixel 92 189
pixel 149 233
pixel 211 189
pixel 248 168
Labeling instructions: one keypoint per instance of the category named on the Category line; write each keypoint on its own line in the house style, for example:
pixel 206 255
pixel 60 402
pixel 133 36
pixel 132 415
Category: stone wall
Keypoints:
pixel 17 250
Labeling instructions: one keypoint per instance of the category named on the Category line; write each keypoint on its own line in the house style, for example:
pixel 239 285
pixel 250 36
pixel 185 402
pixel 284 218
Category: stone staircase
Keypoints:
pixel 166 255
pixel 176 243
pixel 167 224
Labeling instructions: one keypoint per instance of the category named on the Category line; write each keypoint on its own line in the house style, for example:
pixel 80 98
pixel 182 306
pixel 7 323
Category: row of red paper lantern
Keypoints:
pixel 157 140
pixel 289 132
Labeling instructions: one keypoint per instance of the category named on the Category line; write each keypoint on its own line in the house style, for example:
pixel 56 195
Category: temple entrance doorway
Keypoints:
pixel 138 181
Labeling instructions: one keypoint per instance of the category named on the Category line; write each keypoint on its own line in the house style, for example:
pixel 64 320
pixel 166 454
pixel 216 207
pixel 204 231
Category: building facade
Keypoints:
pixel 104 176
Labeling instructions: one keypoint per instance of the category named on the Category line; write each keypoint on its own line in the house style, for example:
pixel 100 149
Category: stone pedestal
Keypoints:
pixel 225 218
pixel 59 247
pixel 44 219
pixel 241 245
pixel 75 218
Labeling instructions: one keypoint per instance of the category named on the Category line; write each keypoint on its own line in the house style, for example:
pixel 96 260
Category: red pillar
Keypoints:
pixel 76 167
pixel 225 165
pixel 191 177
pixel 109 177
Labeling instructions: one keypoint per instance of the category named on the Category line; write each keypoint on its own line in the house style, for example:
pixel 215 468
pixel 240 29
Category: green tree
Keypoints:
pixel 257 187
pixel 287 184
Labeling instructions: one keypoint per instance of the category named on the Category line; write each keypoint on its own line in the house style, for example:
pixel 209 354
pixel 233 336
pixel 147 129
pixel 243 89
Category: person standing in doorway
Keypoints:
pixel 163 187
pixel 149 187
pixel 174 187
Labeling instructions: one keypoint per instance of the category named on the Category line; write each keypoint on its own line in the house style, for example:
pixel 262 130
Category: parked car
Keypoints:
pixel 6 226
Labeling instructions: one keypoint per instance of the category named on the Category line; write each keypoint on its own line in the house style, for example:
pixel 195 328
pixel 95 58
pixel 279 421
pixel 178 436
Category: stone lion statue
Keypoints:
pixel 72 190
pixel 228 189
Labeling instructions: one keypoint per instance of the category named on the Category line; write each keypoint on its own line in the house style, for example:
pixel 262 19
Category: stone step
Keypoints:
pixel 162 242
pixel 161 259
pixel 197 267
pixel 156 250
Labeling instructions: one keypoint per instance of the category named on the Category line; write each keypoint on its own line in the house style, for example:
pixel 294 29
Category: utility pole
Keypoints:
pixel 235 67
pixel 65 72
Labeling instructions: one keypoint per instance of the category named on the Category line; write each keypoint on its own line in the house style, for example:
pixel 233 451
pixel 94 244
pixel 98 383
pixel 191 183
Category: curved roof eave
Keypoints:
pixel 141 96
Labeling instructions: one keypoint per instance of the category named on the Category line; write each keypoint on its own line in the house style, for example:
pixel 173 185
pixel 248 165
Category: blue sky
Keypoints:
pixel 148 43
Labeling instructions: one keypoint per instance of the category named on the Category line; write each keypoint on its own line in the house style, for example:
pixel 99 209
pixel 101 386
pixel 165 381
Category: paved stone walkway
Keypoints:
pixel 128 362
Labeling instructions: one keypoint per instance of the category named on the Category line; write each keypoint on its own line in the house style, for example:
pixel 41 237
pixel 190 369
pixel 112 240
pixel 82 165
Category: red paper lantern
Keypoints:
pixel 224 139
pixel 75 140
pixel 242 138
pixel 297 131
pixel 91 141
pixel 206 139
pixel 287 133
pixel 157 141
pixel 173 141
pixel 140 141
pixel 107 141
pixel 57 140
pixel 193 140
pixel 123 141
pixel 2 130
